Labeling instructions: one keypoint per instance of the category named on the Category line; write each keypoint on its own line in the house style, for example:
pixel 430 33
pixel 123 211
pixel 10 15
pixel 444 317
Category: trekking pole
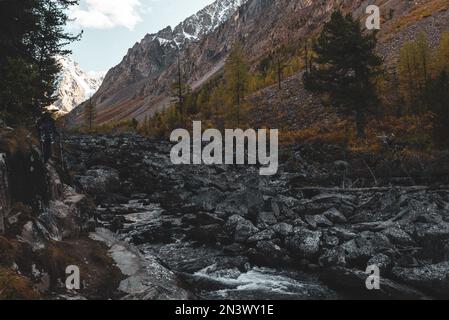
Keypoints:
pixel 42 151
pixel 61 151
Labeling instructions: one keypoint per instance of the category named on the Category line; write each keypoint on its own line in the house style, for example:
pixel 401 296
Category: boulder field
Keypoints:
pixel 227 232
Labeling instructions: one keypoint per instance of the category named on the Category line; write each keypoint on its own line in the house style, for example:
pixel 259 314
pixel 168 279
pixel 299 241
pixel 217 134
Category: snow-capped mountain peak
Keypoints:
pixel 199 24
pixel 74 85
pixel 206 20
pixel 149 62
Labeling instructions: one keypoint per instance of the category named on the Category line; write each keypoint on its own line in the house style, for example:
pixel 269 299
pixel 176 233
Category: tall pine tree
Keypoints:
pixel 236 78
pixel 437 94
pixel 442 54
pixel 347 65
pixel 180 88
pixel 31 35
pixel 414 72
pixel 90 114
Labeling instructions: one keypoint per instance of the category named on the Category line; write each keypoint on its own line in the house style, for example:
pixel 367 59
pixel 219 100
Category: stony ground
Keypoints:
pixel 44 229
pixel 224 232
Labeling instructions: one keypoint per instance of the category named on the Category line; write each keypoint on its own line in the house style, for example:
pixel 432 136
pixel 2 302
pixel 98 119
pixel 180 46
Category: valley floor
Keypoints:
pixel 224 232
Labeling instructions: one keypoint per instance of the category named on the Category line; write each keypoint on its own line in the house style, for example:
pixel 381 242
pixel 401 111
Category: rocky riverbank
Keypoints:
pixel 224 232
pixel 44 225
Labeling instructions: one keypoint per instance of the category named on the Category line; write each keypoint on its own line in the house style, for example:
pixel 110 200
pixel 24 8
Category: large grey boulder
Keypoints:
pixel 146 278
pixel 243 203
pixel 266 219
pixel 304 243
pixel 432 231
pixel 366 245
pixel 398 236
pixel 269 253
pixel 335 216
pixel 99 181
pixel 283 229
pixel 358 251
pixel 241 228
pixel 433 238
pixel 382 261
pixel 266 235
pixel 433 279
pixel 244 230
pixel 316 221
pixel 355 281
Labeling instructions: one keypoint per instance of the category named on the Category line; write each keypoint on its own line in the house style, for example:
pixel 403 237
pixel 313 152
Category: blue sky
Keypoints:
pixel 112 26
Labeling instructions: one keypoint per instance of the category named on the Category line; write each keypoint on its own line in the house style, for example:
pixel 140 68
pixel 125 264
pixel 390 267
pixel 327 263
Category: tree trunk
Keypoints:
pixel 238 97
pixel 360 123
pixel 306 59
pixel 5 202
pixel 180 93
pixel 279 74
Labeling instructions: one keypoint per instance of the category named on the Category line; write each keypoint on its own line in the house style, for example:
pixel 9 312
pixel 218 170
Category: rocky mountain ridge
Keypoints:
pixel 141 84
pixel 152 56
pixel 74 85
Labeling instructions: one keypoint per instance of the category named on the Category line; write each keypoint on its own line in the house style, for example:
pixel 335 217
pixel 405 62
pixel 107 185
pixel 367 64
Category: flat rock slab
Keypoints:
pixel 146 278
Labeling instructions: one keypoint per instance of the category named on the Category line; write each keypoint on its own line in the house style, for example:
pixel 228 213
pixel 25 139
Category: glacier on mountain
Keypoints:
pixel 74 85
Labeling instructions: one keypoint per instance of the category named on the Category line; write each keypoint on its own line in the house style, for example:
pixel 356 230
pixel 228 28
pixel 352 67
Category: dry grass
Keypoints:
pixel 17 141
pixel 411 133
pixel 421 12
pixel 7 252
pixel 16 287
pixel 99 275
pixel 315 134
pixel 55 258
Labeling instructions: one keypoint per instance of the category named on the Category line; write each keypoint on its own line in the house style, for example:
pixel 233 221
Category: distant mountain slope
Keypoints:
pixel 150 58
pixel 74 85
pixel 141 84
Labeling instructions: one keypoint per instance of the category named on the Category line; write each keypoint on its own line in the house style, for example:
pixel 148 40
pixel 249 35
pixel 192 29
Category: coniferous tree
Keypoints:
pixel 31 35
pixel 180 88
pixel 442 54
pixel 437 94
pixel 278 59
pixel 347 65
pixel 414 73
pixel 90 114
pixel 146 125
pixel 217 106
pixel 236 79
pixel 134 123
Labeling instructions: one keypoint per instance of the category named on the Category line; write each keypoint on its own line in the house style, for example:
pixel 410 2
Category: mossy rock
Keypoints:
pixel 16 287
pixel 7 252
pixel 55 258
pixel 22 214
pixel 100 277
pixel 27 174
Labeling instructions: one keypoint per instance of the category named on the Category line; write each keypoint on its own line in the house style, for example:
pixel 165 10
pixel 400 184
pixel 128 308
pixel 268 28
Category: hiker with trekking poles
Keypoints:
pixel 48 133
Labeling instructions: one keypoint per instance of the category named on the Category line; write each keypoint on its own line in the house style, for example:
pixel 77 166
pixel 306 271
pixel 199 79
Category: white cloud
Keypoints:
pixel 106 14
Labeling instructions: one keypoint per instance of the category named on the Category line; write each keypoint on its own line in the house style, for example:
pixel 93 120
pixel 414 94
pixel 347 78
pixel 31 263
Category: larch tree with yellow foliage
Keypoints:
pixel 414 71
pixel 236 79
pixel 442 54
